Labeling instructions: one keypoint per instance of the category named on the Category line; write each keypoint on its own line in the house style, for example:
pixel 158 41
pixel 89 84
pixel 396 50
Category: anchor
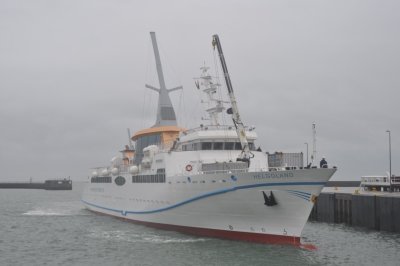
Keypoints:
pixel 269 201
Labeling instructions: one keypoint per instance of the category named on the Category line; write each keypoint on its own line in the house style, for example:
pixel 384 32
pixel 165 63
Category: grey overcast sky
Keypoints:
pixel 72 77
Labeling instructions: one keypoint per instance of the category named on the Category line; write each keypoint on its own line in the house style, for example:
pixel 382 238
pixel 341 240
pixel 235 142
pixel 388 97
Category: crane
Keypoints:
pixel 245 155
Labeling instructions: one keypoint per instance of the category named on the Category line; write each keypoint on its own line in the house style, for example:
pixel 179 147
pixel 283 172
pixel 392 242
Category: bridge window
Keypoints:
pixel 229 145
pixel 238 146
pixel 206 145
pixel 195 146
pixel 218 145
pixel 251 146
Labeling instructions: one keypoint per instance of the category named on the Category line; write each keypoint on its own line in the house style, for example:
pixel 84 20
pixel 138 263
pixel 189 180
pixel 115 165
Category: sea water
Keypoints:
pixel 41 227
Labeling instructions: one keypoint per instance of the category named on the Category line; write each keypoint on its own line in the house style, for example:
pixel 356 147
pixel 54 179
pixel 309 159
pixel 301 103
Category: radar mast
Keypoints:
pixel 213 105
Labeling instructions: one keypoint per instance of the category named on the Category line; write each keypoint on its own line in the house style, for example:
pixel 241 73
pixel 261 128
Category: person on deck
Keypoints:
pixel 323 163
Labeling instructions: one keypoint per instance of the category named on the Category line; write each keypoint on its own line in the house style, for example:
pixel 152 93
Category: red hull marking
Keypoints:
pixel 224 234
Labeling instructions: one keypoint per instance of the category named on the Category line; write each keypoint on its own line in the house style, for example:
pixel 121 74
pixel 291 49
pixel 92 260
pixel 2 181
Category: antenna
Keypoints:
pixel 212 105
pixel 129 138
pixel 314 153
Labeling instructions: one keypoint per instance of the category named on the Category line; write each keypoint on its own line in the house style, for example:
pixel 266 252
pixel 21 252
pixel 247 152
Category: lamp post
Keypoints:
pixel 390 160
pixel 307 152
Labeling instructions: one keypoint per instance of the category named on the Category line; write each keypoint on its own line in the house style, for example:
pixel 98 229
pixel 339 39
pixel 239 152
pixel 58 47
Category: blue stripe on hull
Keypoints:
pixel 206 195
pixel 300 192
pixel 299 195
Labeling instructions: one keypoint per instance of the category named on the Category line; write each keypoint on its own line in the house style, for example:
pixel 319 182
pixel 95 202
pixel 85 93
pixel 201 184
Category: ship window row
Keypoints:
pixel 101 179
pixel 159 178
pixel 215 146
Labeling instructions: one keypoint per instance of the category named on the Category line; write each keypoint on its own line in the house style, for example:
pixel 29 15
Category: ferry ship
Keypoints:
pixel 210 180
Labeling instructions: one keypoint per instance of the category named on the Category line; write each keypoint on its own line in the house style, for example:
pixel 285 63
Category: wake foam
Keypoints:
pixel 57 209
pixel 129 236
pixel 164 240
pixel 45 212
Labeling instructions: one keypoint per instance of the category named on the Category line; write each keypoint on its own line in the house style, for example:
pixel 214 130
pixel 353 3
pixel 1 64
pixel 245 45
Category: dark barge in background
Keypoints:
pixel 51 184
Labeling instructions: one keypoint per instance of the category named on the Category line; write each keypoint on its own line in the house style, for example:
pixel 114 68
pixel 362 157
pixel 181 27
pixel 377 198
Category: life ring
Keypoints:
pixel 188 168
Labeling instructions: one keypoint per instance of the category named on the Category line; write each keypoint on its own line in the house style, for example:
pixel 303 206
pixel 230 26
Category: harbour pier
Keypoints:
pixel 373 210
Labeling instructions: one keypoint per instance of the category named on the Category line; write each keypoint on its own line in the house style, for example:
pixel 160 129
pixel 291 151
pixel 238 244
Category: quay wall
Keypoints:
pixel 377 212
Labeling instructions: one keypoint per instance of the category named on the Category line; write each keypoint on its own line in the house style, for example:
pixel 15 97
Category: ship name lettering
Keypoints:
pixel 272 175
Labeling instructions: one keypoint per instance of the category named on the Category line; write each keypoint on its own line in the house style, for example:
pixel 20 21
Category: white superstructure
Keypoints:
pixel 202 181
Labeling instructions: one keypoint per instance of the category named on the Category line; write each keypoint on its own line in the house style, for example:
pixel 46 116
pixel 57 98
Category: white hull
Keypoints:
pixel 233 205
pixel 210 180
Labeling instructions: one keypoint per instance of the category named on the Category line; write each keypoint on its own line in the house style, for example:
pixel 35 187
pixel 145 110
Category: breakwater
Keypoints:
pixel 372 211
pixel 54 184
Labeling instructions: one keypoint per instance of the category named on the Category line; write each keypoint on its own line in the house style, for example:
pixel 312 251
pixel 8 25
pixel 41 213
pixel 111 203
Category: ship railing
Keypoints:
pixel 283 168
pixel 209 127
pixel 286 168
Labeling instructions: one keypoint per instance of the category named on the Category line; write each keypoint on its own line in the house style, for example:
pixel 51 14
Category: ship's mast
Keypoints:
pixel 213 105
pixel 240 130
pixel 165 111
pixel 314 154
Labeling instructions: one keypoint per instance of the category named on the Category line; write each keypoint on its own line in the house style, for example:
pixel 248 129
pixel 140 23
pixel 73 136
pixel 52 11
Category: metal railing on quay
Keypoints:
pixel 396 180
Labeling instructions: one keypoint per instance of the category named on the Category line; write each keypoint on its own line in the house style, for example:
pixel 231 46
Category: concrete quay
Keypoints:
pixel 351 206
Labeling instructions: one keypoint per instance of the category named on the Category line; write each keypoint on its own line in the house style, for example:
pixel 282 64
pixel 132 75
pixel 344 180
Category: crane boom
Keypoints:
pixel 234 111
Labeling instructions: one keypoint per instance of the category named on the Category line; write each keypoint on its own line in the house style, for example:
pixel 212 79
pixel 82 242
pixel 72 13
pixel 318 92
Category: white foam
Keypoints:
pixel 167 240
pixel 142 238
pixel 57 209
pixel 44 212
